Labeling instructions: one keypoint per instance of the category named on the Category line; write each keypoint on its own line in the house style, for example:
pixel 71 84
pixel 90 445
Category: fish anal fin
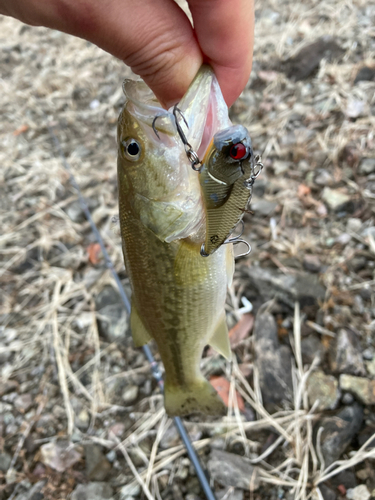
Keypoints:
pixel 220 339
pixel 139 332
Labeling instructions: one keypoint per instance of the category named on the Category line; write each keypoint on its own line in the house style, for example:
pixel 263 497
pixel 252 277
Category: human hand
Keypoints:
pixel 155 37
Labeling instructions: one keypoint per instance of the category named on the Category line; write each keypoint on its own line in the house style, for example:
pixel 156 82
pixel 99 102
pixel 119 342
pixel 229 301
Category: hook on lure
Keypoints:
pixel 235 240
pixel 192 156
pixel 190 153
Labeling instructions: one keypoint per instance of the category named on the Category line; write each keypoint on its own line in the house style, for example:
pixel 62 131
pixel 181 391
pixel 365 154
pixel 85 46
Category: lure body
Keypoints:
pixel 224 178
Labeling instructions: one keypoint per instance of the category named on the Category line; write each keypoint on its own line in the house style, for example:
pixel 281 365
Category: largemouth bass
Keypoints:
pixel 178 295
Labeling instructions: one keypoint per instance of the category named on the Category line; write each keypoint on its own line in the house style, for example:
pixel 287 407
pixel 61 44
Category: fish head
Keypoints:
pixel 230 155
pixel 156 182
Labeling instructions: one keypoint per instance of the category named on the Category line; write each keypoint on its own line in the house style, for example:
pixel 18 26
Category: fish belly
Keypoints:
pixel 179 298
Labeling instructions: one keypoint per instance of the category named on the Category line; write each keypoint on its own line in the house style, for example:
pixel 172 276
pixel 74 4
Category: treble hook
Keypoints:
pixel 248 248
pixel 235 241
pixel 238 239
pixel 190 153
pixel 235 238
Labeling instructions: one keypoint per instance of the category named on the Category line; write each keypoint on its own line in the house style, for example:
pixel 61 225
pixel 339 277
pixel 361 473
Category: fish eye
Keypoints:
pixel 238 151
pixel 131 149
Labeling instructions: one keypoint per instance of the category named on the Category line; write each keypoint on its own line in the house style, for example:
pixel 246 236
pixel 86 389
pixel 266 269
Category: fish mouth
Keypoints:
pixel 203 108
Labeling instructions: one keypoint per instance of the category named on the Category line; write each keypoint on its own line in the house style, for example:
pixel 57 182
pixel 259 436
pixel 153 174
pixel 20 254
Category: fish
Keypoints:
pixel 226 179
pixel 178 296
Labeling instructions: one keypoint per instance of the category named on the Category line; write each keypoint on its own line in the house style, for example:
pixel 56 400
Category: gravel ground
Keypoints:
pixel 80 415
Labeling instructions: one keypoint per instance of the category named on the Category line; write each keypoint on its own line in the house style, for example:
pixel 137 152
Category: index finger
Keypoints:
pixel 225 33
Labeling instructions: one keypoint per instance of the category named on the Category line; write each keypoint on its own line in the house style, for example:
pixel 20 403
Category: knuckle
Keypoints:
pixel 157 58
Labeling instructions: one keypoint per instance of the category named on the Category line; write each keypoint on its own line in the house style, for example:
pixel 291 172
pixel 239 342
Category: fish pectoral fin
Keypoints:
pixel 220 339
pixel 162 218
pixel 139 332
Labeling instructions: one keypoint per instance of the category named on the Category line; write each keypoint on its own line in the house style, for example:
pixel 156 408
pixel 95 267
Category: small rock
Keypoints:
pixel 343 239
pixel 93 491
pixel 353 225
pixel 112 317
pixel 23 403
pixel 368 231
pixel 75 212
pixel 129 490
pixel 368 354
pixel 359 493
pixel 360 387
pixel 238 472
pixel 347 399
pixel 324 178
pixel 338 432
pixel 262 206
pixel 367 435
pixel 111 456
pixel 355 108
pixel 366 293
pixel 229 494
pixel 358 306
pixel 346 356
pixel 327 493
pixel 370 365
pixel 33 492
pixel 367 166
pixel 272 360
pixel 267 284
pixel 130 394
pixel 8 386
pixel 307 60
pixel 5 460
pixel 357 263
pixel 365 74
pixel 311 348
pixel 170 438
pixel 335 199
pixel 83 419
pixel 97 466
pixel 59 455
pixel 324 388
pixel 345 479
pixel 91 277
pixel 117 429
pixel 94 104
pixel 312 263
pixel 218 443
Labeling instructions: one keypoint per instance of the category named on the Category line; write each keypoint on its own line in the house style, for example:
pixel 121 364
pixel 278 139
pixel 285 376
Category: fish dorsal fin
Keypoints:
pixel 139 332
pixel 220 339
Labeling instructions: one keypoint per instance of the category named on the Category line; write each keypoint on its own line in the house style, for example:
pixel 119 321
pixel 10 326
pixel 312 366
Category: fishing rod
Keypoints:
pixel 204 482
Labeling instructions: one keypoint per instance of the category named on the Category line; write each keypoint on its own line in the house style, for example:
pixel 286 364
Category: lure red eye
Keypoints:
pixel 238 151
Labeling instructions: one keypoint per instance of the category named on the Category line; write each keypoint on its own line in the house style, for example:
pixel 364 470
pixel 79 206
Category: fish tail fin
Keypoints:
pixel 197 397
